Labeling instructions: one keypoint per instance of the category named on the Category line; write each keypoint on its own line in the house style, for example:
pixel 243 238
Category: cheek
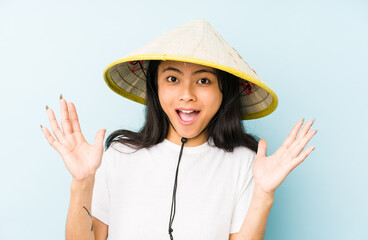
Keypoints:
pixel 166 97
pixel 213 100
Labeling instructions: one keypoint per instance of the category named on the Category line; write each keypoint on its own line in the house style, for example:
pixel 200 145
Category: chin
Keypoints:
pixel 182 132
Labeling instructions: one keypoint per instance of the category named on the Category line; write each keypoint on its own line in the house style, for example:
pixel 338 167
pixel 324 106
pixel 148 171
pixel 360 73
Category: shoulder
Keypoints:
pixel 117 150
pixel 238 151
pixel 118 147
pixel 242 152
pixel 244 156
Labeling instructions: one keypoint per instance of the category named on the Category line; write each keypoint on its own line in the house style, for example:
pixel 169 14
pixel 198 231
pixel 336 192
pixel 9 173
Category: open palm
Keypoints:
pixel 269 172
pixel 80 158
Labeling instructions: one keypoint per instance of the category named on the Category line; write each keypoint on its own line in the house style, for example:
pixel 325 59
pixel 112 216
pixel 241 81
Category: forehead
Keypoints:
pixel 183 65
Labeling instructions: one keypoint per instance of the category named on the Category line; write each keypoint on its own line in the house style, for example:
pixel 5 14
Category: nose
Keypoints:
pixel 187 93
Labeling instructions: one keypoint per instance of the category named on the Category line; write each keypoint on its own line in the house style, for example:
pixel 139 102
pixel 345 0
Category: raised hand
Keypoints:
pixel 81 159
pixel 269 172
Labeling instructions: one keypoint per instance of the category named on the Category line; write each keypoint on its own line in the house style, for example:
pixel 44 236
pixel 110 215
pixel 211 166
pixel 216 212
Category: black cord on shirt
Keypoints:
pixel 183 140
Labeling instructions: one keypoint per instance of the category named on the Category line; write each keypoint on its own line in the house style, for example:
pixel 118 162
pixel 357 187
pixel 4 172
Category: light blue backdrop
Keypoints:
pixel 313 54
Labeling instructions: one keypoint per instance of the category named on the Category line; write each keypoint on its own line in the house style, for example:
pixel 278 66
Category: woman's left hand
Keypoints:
pixel 269 172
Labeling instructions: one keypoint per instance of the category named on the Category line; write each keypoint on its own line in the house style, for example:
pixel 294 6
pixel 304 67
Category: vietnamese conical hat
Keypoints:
pixel 196 42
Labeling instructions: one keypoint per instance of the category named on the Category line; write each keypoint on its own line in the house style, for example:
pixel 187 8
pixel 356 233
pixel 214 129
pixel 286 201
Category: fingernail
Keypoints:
pixel 41 126
pixel 47 107
pixel 316 131
pixel 313 121
pixel 61 96
pixel 302 120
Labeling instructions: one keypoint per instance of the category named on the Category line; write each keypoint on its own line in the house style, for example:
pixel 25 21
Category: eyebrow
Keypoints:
pixel 196 72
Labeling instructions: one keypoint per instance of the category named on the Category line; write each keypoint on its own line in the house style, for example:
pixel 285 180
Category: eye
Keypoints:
pixel 203 81
pixel 172 79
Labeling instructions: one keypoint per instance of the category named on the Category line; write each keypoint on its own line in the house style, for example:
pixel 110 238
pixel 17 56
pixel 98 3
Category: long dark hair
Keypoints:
pixel 227 130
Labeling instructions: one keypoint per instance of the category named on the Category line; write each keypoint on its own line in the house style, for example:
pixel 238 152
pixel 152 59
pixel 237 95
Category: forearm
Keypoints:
pixel 254 225
pixel 79 222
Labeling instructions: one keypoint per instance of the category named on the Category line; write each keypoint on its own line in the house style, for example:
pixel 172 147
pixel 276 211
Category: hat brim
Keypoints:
pixel 269 101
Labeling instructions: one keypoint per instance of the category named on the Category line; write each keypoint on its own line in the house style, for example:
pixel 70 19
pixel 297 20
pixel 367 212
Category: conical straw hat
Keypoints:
pixel 196 42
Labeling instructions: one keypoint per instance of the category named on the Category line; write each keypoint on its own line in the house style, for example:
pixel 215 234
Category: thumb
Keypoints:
pixel 262 147
pixel 100 135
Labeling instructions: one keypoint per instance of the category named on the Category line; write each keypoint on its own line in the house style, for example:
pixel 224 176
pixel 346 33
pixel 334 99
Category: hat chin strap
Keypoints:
pixel 183 141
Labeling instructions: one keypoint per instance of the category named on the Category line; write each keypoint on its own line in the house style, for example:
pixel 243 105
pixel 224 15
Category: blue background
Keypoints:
pixel 313 54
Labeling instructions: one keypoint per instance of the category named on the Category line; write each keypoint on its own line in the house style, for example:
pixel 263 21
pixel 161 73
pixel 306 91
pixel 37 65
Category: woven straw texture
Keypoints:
pixel 196 42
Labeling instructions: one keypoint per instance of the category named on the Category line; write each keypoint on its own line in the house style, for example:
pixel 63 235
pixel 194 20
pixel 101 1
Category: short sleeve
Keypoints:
pixel 244 196
pixel 101 191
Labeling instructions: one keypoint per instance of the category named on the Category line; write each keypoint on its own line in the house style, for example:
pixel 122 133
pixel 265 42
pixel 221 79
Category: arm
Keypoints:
pixel 269 172
pixel 82 161
pixel 254 225
pixel 79 221
pixel 80 224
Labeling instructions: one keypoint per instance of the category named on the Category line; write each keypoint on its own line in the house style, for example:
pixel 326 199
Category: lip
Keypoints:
pixel 187 109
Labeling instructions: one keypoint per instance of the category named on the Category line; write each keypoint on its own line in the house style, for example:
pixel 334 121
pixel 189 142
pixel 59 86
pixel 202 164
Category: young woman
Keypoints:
pixel 225 183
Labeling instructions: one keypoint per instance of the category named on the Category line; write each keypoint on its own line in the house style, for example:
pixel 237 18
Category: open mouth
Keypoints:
pixel 187 116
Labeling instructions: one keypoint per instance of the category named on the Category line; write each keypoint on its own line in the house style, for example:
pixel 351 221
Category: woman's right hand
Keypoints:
pixel 81 159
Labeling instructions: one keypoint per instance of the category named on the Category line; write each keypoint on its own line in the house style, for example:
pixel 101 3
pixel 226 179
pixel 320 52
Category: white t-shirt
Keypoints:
pixel 133 191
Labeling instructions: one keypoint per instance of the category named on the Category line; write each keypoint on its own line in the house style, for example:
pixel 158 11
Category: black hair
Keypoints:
pixel 155 129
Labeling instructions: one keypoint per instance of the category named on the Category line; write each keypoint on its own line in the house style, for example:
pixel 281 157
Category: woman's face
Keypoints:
pixel 190 96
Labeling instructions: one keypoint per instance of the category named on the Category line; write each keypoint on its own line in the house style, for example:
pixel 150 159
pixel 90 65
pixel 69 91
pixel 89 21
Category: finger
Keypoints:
pixel 50 139
pixel 100 137
pixel 301 157
pixel 291 137
pixel 65 121
pixel 55 126
pixel 305 129
pixel 295 151
pixel 298 140
pixel 74 118
pixel 262 148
